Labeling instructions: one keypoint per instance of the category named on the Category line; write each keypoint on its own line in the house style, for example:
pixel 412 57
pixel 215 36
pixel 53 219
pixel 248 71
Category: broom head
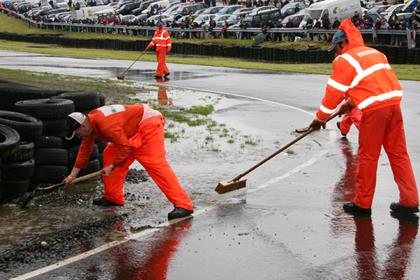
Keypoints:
pixel 120 76
pixel 228 186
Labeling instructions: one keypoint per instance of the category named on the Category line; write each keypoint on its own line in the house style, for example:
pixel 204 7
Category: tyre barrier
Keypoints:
pixel 268 54
pixel 45 159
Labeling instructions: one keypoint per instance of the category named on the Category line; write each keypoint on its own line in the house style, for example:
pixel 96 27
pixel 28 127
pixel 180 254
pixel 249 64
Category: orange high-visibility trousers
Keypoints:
pixel 161 69
pixel 150 152
pixel 384 127
pixel 350 118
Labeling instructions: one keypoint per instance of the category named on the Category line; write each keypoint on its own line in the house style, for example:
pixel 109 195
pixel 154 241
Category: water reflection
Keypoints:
pixel 162 94
pixel 142 259
pixel 366 256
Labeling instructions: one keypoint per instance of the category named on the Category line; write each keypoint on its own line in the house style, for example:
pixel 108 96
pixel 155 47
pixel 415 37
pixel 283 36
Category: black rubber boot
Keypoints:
pixel 179 212
pixel 105 203
pixel 355 210
pixel 397 207
pixel 339 128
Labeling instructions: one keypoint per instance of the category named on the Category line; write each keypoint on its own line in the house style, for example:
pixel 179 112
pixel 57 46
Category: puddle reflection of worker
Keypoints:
pixel 138 261
pixel 399 256
pixel 344 189
pixel 162 95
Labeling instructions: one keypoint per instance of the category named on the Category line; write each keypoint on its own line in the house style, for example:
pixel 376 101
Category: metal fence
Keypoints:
pixel 388 37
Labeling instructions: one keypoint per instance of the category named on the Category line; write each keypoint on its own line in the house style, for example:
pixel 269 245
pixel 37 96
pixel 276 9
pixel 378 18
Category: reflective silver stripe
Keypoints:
pixel 380 97
pixel 337 85
pixel 161 45
pixel 326 110
pixel 368 72
pixel 148 113
pixel 169 45
pixel 353 62
pixel 111 109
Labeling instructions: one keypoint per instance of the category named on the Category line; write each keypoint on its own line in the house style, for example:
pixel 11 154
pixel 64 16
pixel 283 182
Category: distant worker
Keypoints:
pixel 364 76
pixel 163 43
pixel 134 132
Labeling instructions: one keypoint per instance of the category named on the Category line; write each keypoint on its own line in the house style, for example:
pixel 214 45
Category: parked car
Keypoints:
pixel 186 9
pixel 235 18
pixel 293 21
pixel 292 8
pixel 394 9
pixel 212 10
pixel 255 20
pixel 127 8
pixel 228 10
pixel 202 19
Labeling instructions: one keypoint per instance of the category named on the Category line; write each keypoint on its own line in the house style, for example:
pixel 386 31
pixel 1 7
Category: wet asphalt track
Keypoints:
pixel 289 224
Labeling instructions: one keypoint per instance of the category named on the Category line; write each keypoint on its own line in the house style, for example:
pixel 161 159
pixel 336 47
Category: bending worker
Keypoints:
pixel 163 43
pixel 134 132
pixel 364 76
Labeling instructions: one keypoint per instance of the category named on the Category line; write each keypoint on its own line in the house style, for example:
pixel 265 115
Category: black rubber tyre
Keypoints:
pixel 55 127
pixel 49 142
pixel 28 127
pixel 11 93
pixel 9 140
pixel 93 166
pixel 12 189
pixel 46 109
pixel 83 100
pixel 102 99
pixel 23 152
pixel 51 156
pixel 18 170
pixel 73 155
pixel 101 146
pixel 50 174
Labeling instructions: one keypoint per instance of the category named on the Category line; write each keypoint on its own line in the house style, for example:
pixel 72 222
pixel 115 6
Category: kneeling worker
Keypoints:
pixel 134 132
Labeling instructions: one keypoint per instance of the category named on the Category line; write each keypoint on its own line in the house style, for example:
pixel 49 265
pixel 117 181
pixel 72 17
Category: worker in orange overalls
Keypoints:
pixel 163 43
pixel 364 76
pixel 134 132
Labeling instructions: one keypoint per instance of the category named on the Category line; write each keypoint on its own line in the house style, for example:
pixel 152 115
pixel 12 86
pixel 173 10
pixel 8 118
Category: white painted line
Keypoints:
pixel 199 212
pixel 235 95
pixel 289 173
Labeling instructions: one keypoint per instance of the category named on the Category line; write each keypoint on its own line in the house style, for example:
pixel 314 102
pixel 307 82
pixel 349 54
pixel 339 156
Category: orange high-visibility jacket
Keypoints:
pixel 161 39
pixel 362 74
pixel 115 124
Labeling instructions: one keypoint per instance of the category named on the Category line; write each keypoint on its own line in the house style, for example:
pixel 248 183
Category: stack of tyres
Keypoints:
pixel 51 162
pixel 18 165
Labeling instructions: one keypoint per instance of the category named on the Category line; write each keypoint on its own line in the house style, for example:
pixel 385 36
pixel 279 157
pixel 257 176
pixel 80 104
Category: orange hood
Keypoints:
pixel 352 33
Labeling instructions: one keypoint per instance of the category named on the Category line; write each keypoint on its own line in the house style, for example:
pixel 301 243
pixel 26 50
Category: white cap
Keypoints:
pixel 74 121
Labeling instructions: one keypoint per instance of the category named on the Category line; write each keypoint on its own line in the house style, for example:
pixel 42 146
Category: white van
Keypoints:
pixel 89 12
pixel 339 9
pixel 162 4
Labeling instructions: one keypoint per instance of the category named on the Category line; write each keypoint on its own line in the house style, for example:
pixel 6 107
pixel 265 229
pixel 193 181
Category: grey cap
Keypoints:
pixel 339 36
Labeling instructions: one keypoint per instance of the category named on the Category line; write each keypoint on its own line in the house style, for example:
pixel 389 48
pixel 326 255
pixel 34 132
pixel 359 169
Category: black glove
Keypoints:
pixel 345 108
pixel 317 124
